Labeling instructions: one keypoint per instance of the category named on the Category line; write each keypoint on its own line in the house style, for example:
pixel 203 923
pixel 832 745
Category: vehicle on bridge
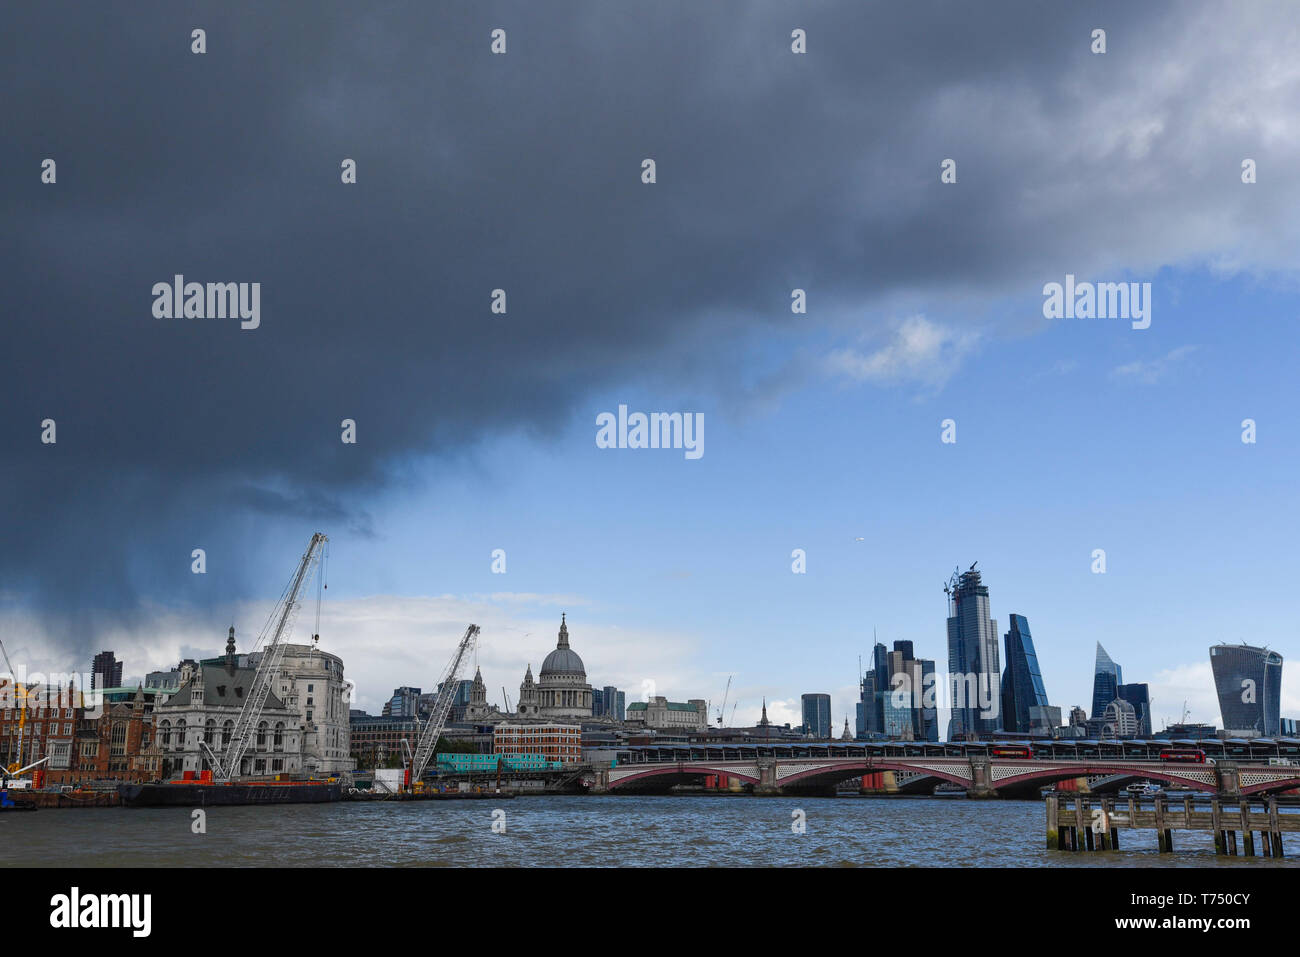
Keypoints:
pixel 1015 751
pixel 1184 755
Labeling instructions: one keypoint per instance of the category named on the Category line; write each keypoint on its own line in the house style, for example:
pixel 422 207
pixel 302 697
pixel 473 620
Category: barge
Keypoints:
pixel 200 794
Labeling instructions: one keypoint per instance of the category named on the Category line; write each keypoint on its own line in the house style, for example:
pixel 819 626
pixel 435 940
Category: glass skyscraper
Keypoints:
pixel 974 674
pixel 817 716
pixel 1106 679
pixel 1249 683
pixel 1022 682
pixel 1139 696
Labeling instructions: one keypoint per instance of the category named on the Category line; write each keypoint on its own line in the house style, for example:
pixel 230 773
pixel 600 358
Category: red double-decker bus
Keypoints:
pixel 1011 751
pixel 1183 755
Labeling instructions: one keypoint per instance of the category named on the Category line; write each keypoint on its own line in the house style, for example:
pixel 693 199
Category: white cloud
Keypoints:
pixel 1153 371
pixel 918 350
pixel 387 641
pixel 1194 684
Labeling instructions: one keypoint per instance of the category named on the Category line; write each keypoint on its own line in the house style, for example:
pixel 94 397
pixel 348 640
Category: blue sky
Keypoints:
pixel 1059 451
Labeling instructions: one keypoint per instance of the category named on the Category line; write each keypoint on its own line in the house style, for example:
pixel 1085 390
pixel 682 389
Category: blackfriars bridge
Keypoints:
pixel 1238 768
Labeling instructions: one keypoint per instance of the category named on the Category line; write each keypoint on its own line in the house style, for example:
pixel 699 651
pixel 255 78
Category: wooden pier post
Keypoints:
pixel 1109 838
pixel 1163 841
pixel 1082 834
pixel 1053 832
pixel 1216 825
pixel 1274 827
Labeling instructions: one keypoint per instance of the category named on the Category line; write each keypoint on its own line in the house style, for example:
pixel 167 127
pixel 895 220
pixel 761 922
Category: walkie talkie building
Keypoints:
pixel 1249 683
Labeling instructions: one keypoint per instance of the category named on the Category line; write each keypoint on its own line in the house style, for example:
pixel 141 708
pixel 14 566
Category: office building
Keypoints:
pixel 1139 696
pixel 817 716
pixel 403 704
pixel 1022 682
pixel 1249 683
pixel 105 671
pixel 1106 679
pixel 974 672
pixel 608 702
pixel 663 715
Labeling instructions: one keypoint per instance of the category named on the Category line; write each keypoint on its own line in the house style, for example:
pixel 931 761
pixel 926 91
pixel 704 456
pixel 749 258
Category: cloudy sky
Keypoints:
pixel 476 431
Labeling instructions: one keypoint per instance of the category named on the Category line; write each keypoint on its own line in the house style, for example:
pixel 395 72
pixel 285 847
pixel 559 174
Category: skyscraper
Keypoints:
pixel 910 687
pixel 1022 682
pixel 1139 696
pixel 973 670
pixel 872 690
pixel 105 671
pixel 817 716
pixel 904 684
pixel 1106 679
pixel 1249 682
pixel 929 712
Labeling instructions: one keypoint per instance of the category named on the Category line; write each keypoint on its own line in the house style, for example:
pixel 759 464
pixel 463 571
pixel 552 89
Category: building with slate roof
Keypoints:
pixel 206 707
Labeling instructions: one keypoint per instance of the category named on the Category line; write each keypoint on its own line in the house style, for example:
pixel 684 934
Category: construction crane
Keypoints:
pixel 722 712
pixel 507 697
pixel 11 777
pixel 226 766
pixel 440 709
pixel 20 702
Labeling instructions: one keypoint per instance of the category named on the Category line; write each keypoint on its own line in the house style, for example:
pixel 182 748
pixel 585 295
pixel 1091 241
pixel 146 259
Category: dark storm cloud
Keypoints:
pixel 522 172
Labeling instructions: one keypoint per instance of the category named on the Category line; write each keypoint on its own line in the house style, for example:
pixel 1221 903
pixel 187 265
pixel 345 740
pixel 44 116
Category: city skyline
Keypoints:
pixel 894 662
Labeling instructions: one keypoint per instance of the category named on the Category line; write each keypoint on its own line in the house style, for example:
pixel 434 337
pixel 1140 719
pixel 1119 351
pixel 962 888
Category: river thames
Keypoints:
pixel 637 831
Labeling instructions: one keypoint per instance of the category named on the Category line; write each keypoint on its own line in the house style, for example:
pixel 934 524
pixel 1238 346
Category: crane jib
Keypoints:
pixel 441 705
pixel 227 766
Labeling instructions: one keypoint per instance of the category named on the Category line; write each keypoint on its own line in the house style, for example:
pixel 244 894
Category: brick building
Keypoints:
pixel 86 738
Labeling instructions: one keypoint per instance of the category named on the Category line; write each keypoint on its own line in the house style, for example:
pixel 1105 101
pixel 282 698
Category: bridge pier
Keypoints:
pixel 981 780
pixel 1228 779
pixel 767 786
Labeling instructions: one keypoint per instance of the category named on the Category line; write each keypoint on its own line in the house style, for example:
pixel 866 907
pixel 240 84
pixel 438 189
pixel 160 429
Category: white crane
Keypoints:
pixel 226 766
pixel 13 778
pixel 722 712
pixel 20 702
pixel 441 706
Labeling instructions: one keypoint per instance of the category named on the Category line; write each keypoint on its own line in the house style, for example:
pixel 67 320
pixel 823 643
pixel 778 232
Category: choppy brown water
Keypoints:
pixel 640 831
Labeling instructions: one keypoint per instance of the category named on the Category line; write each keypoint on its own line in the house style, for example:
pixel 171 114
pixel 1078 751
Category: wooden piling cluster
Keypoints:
pixel 1077 822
